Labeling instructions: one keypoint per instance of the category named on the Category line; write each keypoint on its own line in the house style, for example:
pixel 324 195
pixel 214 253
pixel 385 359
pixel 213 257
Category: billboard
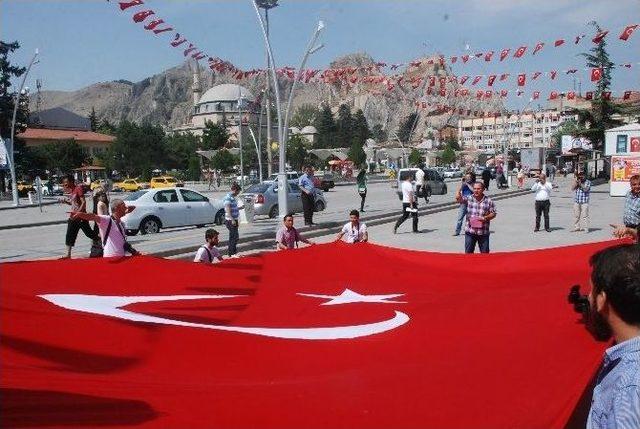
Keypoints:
pixel 571 142
pixel 622 168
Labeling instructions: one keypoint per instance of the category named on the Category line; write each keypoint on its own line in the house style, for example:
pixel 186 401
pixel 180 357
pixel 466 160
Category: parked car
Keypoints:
pixel 434 183
pixel 165 182
pixel 452 173
pixel 102 183
pixel 324 182
pixel 291 175
pixel 265 198
pixel 130 185
pixel 24 188
pixel 165 208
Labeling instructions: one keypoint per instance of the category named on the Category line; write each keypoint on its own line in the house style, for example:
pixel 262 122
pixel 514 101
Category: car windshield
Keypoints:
pixel 134 195
pixel 258 188
pixel 170 180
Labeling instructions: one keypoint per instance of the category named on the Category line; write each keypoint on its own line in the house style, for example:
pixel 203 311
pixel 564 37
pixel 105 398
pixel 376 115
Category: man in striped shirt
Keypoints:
pixel 480 210
pixel 231 215
pixel 582 191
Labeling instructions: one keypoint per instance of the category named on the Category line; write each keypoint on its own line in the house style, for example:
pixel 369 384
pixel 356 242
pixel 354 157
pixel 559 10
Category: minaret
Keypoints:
pixel 196 84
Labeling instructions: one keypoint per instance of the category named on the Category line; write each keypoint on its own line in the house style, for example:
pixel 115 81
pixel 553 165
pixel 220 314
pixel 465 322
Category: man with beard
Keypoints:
pixel 615 312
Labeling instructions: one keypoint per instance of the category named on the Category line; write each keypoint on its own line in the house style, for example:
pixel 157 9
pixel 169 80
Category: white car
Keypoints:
pixel 169 207
pixel 452 173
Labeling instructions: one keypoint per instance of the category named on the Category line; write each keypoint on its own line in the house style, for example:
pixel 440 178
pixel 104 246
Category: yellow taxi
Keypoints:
pixel 98 183
pixel 130 185
pixel 25 187
pixel 165 182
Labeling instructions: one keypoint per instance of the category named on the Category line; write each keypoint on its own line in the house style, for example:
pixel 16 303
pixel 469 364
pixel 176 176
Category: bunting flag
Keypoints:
pixel 588 95
pixel 627 32
pixel 476 80
pixel 522 78
pixel 463 79
pixel 488 55
pixel 558 42
pixel 553 74
pixel 504 93
pixel 600 36
pixel 606 95
pixel 504 53
pixel 504 76
pixel 553 95
pixel 491 79
pixel 596 74
pixel 571 95
pixel 538 47
pixel 627 95
pixel 536 95
pixel 465 58
pixel 579 38
pixel 520 52
pixel 536 75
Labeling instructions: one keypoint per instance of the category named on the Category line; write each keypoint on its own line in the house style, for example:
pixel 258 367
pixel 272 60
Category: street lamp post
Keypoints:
pixel 12 166
pixel 256 142
pixel 240 136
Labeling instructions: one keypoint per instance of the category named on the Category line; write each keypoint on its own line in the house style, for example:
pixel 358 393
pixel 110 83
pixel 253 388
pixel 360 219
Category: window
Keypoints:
pixel 621 143
pixel 190 196
pixel 166 196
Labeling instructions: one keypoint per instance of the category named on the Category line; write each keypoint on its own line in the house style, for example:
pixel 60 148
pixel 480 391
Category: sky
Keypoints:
pixel 89 41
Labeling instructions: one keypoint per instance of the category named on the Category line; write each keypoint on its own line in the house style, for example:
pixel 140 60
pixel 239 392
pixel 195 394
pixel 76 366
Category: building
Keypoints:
pixel 490 134
pixel 57 125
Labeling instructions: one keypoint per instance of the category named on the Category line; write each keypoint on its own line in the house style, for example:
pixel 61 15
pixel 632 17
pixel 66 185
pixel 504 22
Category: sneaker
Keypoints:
pixel 536 230
pixel 455 234
pixel 547 229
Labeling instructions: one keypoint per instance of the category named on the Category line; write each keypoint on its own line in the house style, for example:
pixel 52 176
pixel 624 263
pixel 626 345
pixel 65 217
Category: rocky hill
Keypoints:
pixel 167 99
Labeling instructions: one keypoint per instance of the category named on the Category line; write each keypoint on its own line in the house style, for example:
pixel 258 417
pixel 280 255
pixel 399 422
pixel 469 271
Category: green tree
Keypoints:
pixel 452 142
pixel 296 152
pixel 415 157
pixel 8 72
pixel 181 151
pixel 137 150
pixel 360 128
pixel 356 154
pixel 223 160
pixel 93 119
pixel 63 156
pixel 214 136
pixel 406 128
pixel 594 121
pixel 344 126
pixel 106 127
pixel 448 155
pixel 326 127
pixel 305 115
pixel 569 128
pixel 378 133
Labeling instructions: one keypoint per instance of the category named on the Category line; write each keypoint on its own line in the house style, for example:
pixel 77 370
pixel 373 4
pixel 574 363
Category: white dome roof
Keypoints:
pixel 226 92
pixel 294 130
pixel 309 129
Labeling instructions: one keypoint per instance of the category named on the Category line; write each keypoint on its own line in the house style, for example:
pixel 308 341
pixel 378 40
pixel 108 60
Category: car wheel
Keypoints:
pixel 325 189
pixel 273 212
pixel 319 206
pixel 219 219
pixel 131 232
pixel 150 225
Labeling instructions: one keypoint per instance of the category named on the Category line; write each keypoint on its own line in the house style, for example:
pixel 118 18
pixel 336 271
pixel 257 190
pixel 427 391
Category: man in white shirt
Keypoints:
pixel 208 253
pixel 542 188
pixel 420 184
pixel 409 205
pixel 114 237
pixel 354 231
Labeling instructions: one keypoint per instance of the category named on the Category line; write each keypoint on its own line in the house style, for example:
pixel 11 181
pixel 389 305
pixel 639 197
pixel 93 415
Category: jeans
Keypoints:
pixel 470 241
pixel 74 226
pixel 542 207
pixel 405 216
pixel 462 214
pixel 308 201
pixel 233 236
pixel 363 196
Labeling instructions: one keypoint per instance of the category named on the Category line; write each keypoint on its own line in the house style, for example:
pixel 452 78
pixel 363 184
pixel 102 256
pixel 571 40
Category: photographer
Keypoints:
pixel 582 191
pixel 542 188
pixel 614 304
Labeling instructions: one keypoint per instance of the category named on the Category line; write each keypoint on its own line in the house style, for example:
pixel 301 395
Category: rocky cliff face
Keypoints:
pixel 166 98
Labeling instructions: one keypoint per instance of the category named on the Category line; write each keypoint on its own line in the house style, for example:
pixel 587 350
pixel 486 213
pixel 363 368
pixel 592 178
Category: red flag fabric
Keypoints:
pixel 432 80
pixel 230 345
pixel 571 95
pixel 504 76
pixel 553 95
pixel 463 79
pixel 553 74
pixel 488 55
pixel 536 95
pixel 520 52
pixel 479 94
pixel 465 58
pixel 536 75
pixel 558 42
pixel 443 92
pixel 476 80
pixel 454 60
pixel 579 38
pixel 606 95
pixel 596 74
pixel 588 95
pixel 600 36
pixel 522 79
pixel 491 79
pixel 504 53
pixel 626 95
pixel 504 93
pixel 628 31
pixel 488 93
pixel 538 47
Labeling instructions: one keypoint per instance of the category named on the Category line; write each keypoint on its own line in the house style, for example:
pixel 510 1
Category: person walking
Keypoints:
pixel 287 237
pixel 231 215
pixel 78 204
pixel 520 177
pixel 582 191
pixel 552 173
pixel 100 207
pixel 308 194
pixel 208 252
pixel 361 180
pixel 409 205
pixel 542 188
pixel 466 189
pixel 354 231
pixel 486 178
pixel 480 211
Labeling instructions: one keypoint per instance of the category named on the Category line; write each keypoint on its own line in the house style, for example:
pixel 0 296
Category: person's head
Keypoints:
pixel 235 188
pixel 100 195
pixel 581 176
pixel 288 220
pixel 211 236
pixel 542 177
pixel 68 182
pixel 478 189
pixel 354 216
pixel 635 183
pixel 308 170
pixel 118 208
pixel 615 290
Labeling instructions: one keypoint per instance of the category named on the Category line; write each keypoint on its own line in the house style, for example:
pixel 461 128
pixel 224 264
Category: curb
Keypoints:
pixel 26 206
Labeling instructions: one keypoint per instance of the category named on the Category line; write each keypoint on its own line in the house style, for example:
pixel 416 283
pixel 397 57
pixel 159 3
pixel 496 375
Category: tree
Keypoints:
pixel 8 72
pixel 296 152
pixel 214 136
pixel 344 126
pixel 137 149
pixel 360 128
pixel 415 157
pixel 448 155
pixel 594 121
pixel 406 128
pixel 356 154
pixel 223 160
pixel 378 133
pixel 326 127
pixel 452 142
pixel 305 115
pixel 93 119
pixel 180 149
pixel 106 127
pixel 569 127
pixel 63 156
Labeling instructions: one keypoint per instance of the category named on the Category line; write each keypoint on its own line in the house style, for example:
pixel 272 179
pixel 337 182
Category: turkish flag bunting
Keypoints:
pixel 558 42
pixel 626 95
pixel 443 92
pixel 606 95
pixel 479 55
pixel 520 52
pixel 628 31
pixel 553 95
pixel 488 55
pixel 429 90
pixel 504 53
pixel 538 47
pixel 454 60
pixel 432 80
pixel 553 74
pixel 443 80
pixel 126 5
pixel 596 74
pixel 488 93
pixel 476 80
pixel 465 58
pixel 479 94
pixel 503 93
pixel 504 76
pixel 522 79
pixel 570 71
pixel 465 92
pixel 536 75
pixel 424 105
pixel 519 93
pixel 588 95
pixel 626 65
pixel 463 79
pixel 571 95
pixel 600 36
pixel 536 95
pixel 491 79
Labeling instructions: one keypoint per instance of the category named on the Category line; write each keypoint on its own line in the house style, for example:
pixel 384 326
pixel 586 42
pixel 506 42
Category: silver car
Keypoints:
pixel 265 198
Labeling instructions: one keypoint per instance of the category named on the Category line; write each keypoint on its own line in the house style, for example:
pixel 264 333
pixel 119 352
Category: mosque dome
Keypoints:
pixel 309 129
pixel 226 92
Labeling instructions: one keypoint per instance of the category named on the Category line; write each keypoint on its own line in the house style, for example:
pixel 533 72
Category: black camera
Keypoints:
pixel 580 302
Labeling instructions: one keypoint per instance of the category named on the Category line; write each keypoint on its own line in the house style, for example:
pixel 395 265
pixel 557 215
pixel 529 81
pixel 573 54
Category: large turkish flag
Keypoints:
pixel 336 335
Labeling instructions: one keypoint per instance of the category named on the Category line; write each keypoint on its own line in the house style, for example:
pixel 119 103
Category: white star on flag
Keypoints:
pixel 348 297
